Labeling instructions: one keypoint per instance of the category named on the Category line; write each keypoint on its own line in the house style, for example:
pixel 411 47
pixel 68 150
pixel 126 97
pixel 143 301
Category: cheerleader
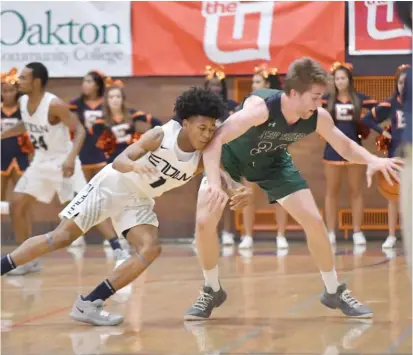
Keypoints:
pixel 126 125
pixel 263 78
pixel 345 105
pixel 215 81
pixel 89 108
pixel 391 136
pixel 15 151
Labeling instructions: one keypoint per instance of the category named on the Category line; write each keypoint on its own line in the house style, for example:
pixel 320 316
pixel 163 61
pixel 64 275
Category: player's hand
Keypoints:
pixel 217 199
pixel 386 134
pixel 148 170
pixel 390 167
pixel 68 167
pixel 240 198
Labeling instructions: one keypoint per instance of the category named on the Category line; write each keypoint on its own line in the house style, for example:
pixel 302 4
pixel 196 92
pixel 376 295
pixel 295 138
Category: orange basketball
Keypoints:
pixel 390 192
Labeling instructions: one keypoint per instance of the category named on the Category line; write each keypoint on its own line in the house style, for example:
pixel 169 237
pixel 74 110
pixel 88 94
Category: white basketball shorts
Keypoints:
pixel 44 178
pixel 107 196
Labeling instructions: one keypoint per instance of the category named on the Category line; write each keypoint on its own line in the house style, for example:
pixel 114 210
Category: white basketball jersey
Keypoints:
pixel 172 171
pixel 48 140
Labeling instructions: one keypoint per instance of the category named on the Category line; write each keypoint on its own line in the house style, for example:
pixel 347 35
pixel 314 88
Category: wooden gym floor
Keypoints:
pixel 272 306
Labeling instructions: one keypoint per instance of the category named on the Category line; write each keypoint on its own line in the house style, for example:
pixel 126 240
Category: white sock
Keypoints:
pixel 330 281
pixel 211 278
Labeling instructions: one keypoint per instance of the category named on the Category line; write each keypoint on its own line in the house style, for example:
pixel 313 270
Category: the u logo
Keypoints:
pixel 260 50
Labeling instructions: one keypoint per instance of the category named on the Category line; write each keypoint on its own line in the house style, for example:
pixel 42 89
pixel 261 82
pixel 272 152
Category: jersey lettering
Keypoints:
pixel 91 116
pixel 167 169
pixel 344 112
pixel 120 132
pixel 400 119
pixel 8 123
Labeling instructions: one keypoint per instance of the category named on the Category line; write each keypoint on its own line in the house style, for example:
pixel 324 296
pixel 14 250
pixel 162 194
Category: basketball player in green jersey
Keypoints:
pixel 253 143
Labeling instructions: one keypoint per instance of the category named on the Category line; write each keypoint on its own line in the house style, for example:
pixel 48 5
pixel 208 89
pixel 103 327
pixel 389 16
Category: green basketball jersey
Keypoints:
pixel 270 139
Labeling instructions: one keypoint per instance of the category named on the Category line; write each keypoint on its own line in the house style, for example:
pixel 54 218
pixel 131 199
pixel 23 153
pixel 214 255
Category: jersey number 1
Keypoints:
pixel 158 183
pixel 38 143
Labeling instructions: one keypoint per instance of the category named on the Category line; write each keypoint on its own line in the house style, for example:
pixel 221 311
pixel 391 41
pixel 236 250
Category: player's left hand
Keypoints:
pixel 390 167
pixel 68 167
pixel 240 198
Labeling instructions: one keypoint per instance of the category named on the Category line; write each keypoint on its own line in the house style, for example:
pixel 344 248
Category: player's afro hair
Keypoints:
pixel 199 102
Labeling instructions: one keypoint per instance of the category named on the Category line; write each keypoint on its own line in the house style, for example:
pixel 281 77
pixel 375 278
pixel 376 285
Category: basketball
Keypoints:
pixel 390 192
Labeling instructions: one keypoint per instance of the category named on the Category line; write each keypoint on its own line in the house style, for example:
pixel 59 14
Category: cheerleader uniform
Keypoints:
pixel 343 119
pixel 125 134
pixel 393 109
pixel 14 150
pixel 91 117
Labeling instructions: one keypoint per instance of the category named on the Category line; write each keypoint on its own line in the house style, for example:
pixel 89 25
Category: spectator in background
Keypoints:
pixel 125 125
pixel 263 78
pixel 89 109
pixel 14 150
pixel 404 11
pixel 392 135
pixel 344 104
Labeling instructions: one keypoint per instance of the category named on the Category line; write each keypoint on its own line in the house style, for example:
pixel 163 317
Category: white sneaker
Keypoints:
pixel 106 244
pixel 282 242
pixel 246 242
pixel 359 238
pixel 332 237
pixel 124 244
pixel 30 267
pixel 390 242
pixel 227 238
pixel 120 256
pixel 93 313
pixel 79 242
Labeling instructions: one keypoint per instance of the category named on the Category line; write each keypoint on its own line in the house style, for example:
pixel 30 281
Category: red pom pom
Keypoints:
pixel 25 144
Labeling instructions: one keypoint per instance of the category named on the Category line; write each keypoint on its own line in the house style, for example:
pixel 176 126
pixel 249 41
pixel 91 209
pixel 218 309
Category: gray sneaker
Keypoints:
pixel 205 303
pixel 343 300
pixel 93 313
pixel 30 267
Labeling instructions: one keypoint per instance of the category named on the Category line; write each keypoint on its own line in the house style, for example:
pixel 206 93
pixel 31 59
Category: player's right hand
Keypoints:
pixel 148 171
pixel 217 198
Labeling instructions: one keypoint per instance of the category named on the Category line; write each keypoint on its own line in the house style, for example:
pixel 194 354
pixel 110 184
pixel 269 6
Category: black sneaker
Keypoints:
pixel 205 303
pixel 343 300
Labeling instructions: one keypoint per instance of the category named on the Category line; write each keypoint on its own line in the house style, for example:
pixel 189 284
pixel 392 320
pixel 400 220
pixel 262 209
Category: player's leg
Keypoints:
pixel 227 237
pixel 105 228
pixel 40 245
pixel 392 211
pixel 88 208
pixel 4 184
pixel 207 244
pixel 357 180
pixel 282 219
pixel 248 217
pixel 141 229
pixel 333 174
pixel 20 212
pixel 302 207
pixel 406 207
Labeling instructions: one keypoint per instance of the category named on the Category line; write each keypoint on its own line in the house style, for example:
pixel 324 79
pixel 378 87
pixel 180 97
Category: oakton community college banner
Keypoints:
pixel 374 28
pixel 181 38
pixel 69 37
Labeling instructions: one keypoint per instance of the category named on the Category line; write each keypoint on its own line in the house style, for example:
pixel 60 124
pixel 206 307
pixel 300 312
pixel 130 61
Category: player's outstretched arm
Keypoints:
pixel 148 142
pixel 253 113
pixel 14 131
pixel 353 152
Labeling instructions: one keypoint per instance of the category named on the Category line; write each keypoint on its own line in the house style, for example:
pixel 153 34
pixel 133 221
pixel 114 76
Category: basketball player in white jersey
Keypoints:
pixel 55 168
pixel 162 159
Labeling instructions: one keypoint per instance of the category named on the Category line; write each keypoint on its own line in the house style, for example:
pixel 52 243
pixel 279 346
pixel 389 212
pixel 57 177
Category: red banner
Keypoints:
pixel 374 28
pixel 181 38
